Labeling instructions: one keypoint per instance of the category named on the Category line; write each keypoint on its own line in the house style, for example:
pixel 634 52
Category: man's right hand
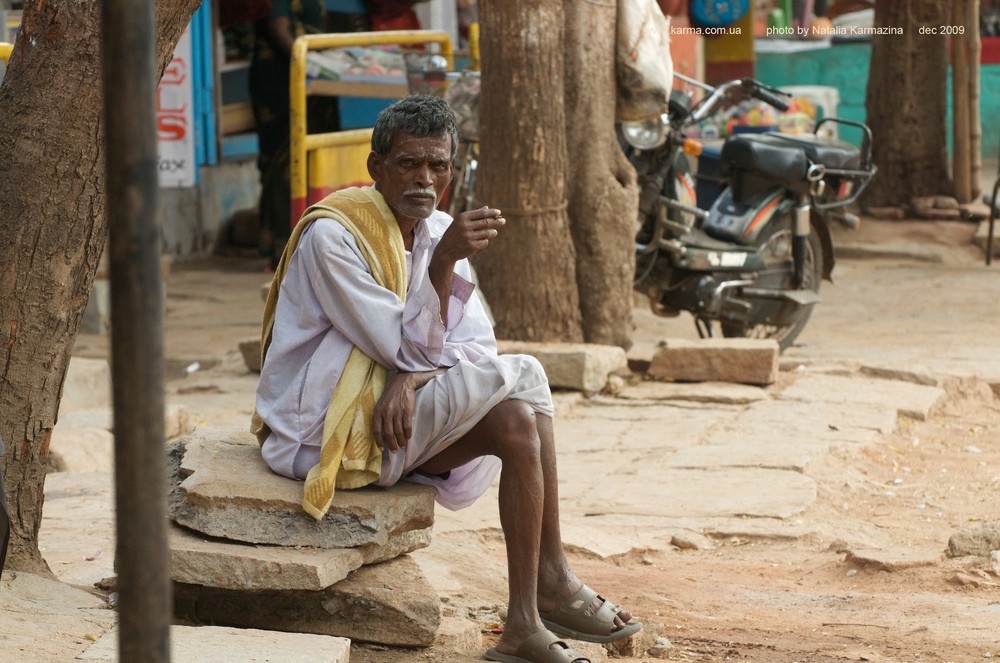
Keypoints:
pixel 392 420
pixel 469 233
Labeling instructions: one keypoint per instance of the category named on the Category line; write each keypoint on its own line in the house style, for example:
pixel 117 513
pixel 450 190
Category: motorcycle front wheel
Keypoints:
pixel 776 249
pixel 463 185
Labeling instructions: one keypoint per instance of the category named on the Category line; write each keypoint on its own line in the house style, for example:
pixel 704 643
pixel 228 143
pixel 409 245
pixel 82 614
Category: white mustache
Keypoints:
pixel 420 192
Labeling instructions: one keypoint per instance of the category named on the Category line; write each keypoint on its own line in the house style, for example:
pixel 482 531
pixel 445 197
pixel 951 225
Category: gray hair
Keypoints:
pixel 419 115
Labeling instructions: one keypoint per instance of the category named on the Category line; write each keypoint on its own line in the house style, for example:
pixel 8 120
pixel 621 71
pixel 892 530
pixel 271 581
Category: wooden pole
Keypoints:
pixel 974 45
pixel 960 107
pixel 142 557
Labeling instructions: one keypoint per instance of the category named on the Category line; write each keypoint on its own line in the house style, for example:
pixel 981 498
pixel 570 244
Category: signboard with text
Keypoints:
pixel 175 119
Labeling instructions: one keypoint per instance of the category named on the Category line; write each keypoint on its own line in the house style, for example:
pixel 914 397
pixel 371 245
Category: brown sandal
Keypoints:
pixel 540 647
pixel 571 620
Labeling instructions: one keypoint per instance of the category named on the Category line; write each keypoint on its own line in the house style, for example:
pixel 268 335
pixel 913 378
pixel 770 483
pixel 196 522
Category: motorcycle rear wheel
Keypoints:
pixel 776 248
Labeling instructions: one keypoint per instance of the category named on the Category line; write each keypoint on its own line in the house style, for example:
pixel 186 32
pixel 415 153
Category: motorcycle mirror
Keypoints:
pixel 679 105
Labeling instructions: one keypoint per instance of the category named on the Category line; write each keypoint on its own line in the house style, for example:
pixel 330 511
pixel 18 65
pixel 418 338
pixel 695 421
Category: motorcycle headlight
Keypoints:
pixel 646 134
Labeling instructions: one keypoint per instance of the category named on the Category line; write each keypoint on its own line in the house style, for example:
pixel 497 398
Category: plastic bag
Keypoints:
pixel 644 67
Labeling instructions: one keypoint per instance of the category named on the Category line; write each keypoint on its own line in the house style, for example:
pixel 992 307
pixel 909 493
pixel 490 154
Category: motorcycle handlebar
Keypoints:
pixel 770 98
pixel 731 92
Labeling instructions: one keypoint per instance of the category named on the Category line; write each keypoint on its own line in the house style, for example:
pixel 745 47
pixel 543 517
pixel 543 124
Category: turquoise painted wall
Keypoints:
pixel 845 67
pixel 989 109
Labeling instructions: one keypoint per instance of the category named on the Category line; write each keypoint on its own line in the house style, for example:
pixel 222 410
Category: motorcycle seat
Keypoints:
pixel 830 152
pixel 786 157
pixel 765 158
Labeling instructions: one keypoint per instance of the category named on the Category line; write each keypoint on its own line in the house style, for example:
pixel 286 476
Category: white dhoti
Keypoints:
pixel 445 409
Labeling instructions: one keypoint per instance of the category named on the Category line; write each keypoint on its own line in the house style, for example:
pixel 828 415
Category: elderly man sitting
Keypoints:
pixel 381 366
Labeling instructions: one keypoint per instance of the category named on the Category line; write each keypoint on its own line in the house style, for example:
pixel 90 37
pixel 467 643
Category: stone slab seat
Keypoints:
pixel 220 487
pixel 390 603
pixel 198 560
pixel 244 554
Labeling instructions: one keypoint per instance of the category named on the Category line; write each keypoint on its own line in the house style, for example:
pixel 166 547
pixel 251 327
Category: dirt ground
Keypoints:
pixel 801 600
pixel 793 599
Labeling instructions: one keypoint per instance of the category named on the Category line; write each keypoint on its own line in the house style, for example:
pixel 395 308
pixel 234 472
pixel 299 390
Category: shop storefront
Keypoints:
pixel 205 129
pixel 209 176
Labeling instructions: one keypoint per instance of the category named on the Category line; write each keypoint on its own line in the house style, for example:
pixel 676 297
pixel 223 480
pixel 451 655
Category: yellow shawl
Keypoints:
pixel 349 457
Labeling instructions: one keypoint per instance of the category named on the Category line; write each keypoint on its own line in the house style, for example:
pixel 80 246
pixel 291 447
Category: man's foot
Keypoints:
pixel 540 647
pixel 590 617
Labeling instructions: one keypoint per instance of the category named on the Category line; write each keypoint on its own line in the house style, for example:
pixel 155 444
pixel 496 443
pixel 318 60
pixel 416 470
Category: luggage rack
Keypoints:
pixel 858 177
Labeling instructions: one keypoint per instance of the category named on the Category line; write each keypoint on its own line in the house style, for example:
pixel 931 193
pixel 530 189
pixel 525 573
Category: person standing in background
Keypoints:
pixel 467 15
pixel 347 16
pixel 269 81
pixel 393 14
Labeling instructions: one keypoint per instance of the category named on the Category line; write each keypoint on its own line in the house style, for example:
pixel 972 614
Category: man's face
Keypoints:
pixel 414 175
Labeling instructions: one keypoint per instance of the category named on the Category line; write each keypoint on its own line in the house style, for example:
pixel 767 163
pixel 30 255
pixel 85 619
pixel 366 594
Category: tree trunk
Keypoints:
pixel 906 102
pixel 528 272
pixel 961 164
pixel 974 46
pixel 603 193
pixel 52 230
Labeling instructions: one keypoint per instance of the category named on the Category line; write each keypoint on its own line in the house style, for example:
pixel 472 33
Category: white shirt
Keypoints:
pixel 329 302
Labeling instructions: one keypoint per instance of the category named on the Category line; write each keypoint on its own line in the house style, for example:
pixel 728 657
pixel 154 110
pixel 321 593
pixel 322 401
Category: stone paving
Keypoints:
pixel 654 464
pixel 638 469
pixel 710 463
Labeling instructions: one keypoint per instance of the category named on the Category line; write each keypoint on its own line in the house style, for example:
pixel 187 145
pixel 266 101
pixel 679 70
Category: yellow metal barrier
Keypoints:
pixel 334 161
pixel 5 50
pixel 474 47
pixel 340 156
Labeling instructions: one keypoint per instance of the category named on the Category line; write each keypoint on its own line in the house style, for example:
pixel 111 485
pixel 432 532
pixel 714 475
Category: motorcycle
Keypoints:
pixel 750 255
pixel 463 97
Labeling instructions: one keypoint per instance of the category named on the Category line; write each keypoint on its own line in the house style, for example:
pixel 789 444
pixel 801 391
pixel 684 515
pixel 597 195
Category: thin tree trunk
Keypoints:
pixel 960 107
pixel 52 230
pixel 527 273
pixel 975 48
pixel 603 196
pixel 907 89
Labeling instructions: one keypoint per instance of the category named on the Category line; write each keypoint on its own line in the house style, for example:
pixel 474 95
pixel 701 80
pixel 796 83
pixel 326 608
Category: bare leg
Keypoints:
pixel 556 582
pixel 538 571
pixel 510 433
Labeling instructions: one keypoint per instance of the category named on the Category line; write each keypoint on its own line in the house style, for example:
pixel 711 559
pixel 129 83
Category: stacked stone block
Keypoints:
pixel 244 553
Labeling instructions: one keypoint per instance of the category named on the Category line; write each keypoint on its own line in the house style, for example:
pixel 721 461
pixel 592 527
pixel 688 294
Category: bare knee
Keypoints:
pixel 513 432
